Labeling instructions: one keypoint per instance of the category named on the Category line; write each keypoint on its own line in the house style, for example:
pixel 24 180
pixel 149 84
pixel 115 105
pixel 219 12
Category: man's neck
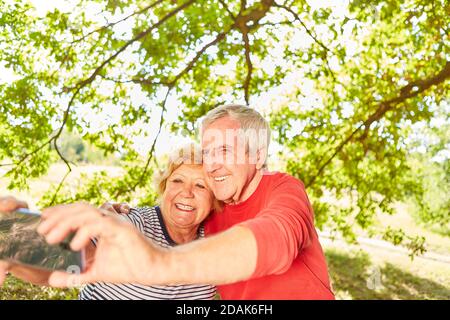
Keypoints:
pixel 250 188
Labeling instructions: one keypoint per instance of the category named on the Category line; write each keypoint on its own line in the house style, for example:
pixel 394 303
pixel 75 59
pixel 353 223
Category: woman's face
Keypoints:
pixel 187 200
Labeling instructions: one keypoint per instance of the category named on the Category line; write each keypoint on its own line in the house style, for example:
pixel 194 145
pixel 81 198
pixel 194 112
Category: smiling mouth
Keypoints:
pixel 220 179
pixel 184 207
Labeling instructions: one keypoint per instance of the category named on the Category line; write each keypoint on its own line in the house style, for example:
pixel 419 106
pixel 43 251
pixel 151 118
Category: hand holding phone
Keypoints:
pixel 20 242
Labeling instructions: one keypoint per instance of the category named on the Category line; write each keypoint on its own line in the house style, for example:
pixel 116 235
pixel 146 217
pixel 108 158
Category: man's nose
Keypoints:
pixel 211 165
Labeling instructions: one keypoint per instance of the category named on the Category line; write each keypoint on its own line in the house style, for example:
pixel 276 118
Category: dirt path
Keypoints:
pixel 327 238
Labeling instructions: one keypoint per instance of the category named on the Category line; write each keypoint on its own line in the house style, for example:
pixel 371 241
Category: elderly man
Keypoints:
pixel 262 245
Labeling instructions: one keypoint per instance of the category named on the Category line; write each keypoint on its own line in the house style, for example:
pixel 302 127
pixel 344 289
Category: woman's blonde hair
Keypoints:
pixel 190 154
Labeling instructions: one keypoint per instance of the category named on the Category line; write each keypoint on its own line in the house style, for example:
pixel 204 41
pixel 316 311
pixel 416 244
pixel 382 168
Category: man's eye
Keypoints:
pixel 200 186
pixel 223 151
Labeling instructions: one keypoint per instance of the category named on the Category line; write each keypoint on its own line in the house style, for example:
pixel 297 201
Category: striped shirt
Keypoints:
pixel 149 221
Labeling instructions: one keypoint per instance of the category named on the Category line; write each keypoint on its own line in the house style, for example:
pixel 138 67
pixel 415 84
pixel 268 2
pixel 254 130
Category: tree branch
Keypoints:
pixel 64 60
pixel 54 138
pixel 189 66
pixel 308 31
pixel 26 156
pixel 249 67
pixel 55 144
pixel 171 84
pixel 243 6
pixel 227 9
pixel 69 170
pixel 41 146
pixel 112 24
pixel 152 149
pixel 241 23
pixel 128 43
pixel 133 80
pixel 253 14
pixel 312 35
pixel 6 164
pixel 409 91
pixel 96 72
pixel 274 24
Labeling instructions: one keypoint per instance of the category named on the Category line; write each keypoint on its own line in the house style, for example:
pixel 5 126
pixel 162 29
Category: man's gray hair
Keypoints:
pixel 255 128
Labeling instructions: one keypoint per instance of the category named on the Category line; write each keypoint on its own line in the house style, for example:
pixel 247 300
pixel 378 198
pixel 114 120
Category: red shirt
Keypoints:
pixel 290 263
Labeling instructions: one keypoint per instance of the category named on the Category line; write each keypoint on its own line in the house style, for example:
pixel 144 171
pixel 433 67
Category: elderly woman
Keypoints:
pixel 185 202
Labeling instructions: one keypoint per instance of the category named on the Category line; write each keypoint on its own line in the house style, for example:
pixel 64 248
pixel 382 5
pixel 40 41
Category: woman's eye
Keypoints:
pixel 200 186
pixel 177 180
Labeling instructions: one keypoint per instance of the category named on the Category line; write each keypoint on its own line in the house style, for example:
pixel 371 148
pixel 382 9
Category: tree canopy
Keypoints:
pixel 346 88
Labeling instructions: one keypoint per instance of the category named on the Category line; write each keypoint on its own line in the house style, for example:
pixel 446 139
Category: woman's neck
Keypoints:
pixel 181 236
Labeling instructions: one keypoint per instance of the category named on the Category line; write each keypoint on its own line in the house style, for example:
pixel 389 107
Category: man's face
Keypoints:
pixel 228 168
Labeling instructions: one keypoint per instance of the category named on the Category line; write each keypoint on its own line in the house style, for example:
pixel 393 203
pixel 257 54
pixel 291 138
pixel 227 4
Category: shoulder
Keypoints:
pixel 280 180
pixel 147 211
pixel 153 225
pixel 282 189
pixel 142 217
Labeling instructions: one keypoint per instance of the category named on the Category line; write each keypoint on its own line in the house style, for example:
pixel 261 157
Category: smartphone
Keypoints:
pixel 19 241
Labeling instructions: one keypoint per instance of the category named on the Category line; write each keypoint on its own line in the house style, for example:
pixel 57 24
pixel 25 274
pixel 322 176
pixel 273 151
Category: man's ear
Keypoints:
pixel 261 157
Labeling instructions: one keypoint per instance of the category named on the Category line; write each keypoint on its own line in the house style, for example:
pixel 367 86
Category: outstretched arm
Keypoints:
pixel 124 255
pixel 267 244
pixel 224 258
pixel 264 245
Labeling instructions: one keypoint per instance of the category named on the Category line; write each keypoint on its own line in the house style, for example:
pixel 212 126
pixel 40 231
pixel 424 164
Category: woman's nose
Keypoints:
pixel 187 191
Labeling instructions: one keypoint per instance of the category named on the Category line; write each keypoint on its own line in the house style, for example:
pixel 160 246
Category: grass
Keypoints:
pixel 15 289
pixel 357 274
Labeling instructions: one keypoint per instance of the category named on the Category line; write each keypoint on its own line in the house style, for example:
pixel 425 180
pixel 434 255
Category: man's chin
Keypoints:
pixel 225 198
